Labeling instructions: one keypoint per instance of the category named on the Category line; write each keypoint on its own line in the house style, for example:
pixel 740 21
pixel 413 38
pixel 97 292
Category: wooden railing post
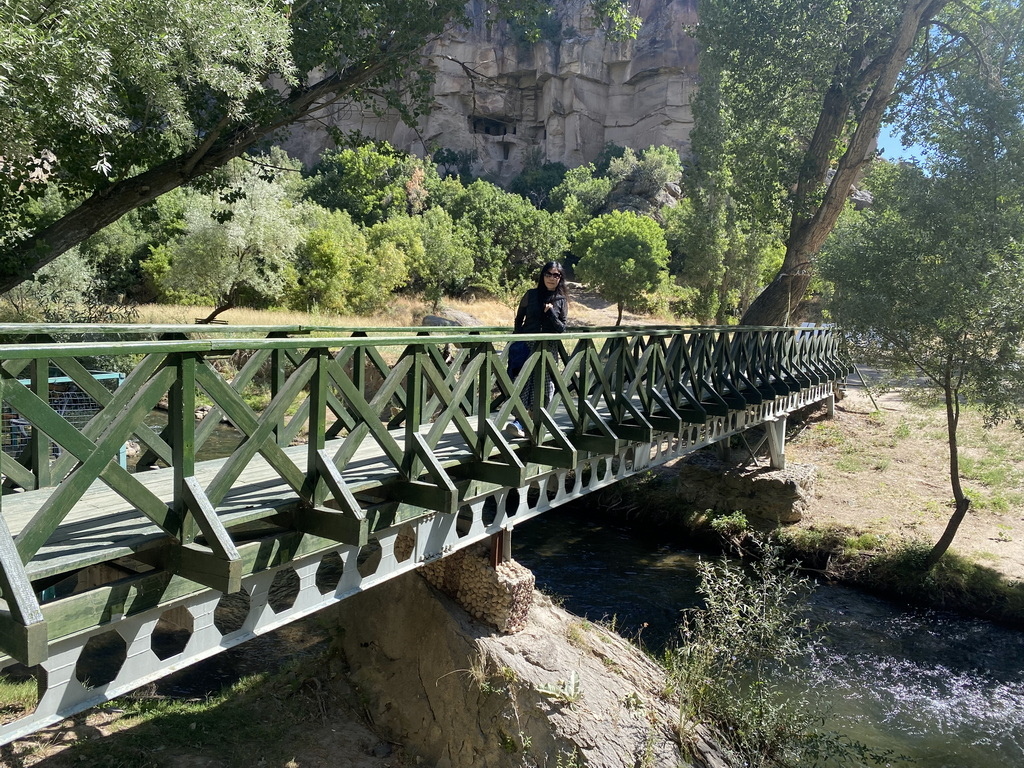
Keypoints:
pixel 315 489
pixel 39 441
pixel 181 401
pixel 277 379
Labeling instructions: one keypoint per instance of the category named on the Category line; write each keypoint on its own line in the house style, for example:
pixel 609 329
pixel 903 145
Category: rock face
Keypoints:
pixel 458 694
pixel 558 100
pixel 705 482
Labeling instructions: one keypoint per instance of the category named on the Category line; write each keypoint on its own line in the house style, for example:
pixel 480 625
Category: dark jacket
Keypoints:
pixel 531 317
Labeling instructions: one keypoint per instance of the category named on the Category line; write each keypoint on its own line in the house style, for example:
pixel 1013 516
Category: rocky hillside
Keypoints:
pixel 563 691
pixel 560 99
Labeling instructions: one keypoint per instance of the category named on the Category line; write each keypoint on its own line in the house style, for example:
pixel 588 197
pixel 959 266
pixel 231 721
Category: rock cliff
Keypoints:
pixel 457 694
pixel 557 100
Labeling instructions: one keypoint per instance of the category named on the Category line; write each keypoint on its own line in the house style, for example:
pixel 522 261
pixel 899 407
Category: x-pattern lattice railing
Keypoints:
pixel 350 426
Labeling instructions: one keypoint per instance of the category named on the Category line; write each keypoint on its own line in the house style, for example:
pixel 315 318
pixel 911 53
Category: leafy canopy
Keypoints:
pixel 623 256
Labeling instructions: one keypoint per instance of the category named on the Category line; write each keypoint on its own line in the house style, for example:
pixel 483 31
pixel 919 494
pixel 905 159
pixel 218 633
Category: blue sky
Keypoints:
pixel 889 144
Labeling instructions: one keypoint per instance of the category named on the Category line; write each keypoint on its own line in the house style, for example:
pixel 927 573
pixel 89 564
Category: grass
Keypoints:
pixel 17 697
pixel 402 311
pixel 272 711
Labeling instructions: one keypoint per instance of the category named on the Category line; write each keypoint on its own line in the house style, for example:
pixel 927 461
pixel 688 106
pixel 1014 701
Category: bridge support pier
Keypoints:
pixel 723 451
pixel 776 433
pixel 501 547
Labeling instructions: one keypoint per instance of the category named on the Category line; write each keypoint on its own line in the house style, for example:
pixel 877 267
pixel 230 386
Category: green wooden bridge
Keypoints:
pixel 340 440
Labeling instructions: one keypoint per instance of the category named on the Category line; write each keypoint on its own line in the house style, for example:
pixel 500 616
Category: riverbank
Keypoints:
pixel 881 498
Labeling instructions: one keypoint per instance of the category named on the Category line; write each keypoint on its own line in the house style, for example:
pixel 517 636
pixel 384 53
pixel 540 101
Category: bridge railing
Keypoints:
pixel 339 428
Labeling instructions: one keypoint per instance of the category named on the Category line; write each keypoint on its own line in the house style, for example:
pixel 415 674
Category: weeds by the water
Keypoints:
pixel 750 634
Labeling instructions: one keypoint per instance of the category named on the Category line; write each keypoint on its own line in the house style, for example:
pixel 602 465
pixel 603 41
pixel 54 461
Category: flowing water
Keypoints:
pixel 946 691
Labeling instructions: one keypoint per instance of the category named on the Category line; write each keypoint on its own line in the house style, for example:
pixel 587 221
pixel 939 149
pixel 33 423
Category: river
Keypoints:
pixel 946 691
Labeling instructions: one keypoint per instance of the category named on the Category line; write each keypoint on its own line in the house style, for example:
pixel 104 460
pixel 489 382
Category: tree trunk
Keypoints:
pixel 776 305
pixel 216 311
pixel 962 502
pixel 619 320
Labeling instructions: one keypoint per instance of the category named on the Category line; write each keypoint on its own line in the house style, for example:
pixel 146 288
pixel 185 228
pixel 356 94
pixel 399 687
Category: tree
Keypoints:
pixel 237 249
pixel 323 263
pixel 623 256
pixel 810 82
pixel 369 181
pixel 446 265
pixel 510 238
pixel 581 195
pixel 143 97
pixel 928 283
pixel 537 180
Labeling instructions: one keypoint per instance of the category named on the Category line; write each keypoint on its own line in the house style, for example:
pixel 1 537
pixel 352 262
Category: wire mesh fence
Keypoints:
pixel 70 402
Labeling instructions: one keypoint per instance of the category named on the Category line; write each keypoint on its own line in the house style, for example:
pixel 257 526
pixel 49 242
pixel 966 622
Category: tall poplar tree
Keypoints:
pixel 809 85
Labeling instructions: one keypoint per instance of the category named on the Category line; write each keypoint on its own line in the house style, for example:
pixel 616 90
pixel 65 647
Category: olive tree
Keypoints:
pixel 237 249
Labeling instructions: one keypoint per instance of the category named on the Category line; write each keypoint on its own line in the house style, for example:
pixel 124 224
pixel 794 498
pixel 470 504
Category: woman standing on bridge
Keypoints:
pixel 544 309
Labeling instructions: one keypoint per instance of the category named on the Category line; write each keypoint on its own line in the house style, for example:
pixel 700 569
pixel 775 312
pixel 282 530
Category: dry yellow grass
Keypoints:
pixel 403 311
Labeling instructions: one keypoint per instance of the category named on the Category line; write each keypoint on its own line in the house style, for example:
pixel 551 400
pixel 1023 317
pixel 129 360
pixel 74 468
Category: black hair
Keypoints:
pixel 557 267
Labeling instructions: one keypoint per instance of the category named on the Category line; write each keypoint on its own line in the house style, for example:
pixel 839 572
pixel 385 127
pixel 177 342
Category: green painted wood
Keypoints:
pixel 343 497
pixel 16 474
pixel 367 413
pixel 18 594
pixel 39 441
pixel 205 567
pixel 217 537
pixel 238 382
pixel 332 524
pixel 181 399
pixel 610 386
pixel 259 432
pixel 64 497
pixel 26 643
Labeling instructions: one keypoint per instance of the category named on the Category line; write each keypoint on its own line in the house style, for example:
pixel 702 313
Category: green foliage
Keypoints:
pixel 509 238
pixel 537 181
pixel 580 195
pixel 64 291
pixel 238 247
pixel 375 277
pixel 324 262
pixel 731 525
pixel 135 99
pixel 623 256
pixel 456 163
pixel 749 634
pixel 123 82
pixel 928 280
pixel 370 182
pixel 642 176
pixel 928 283
pixel 446 265
pixel 621 179
pixel 118 251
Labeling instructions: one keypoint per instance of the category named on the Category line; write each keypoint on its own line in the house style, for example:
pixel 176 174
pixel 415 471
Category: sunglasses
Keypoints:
pixel 553 274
